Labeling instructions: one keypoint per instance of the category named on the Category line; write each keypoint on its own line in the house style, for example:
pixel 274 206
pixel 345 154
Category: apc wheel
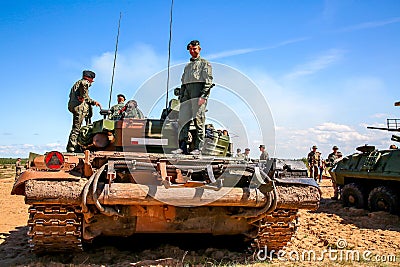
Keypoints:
pixel 383 198
pixel 353 196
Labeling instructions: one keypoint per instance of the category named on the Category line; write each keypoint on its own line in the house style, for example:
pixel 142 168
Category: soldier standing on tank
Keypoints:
pixel 196 84
pixel 314 163
pixel 246 154
pixel 238 153
pixel 115 114
pixel 78 105
pixel 264 154
pixel 332 159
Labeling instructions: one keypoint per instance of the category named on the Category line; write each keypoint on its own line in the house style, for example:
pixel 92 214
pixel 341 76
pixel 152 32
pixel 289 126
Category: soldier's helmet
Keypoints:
pixel 192 43
pixel 335 148
pixel 261 146
pixel 314 147
pixel 89 74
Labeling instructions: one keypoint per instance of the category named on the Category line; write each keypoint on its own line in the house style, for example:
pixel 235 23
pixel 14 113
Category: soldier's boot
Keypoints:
pixel 182 148
pixel 336 194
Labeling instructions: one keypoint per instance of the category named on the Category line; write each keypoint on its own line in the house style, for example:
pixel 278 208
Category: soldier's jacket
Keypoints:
pixel 332 158
pixel 198 70
pixel 115 114
pixel 314 158
pixel 264 155
pixel 80 93
pixel 130 110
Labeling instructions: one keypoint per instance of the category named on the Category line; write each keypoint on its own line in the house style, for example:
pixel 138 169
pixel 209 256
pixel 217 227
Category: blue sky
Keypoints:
pixel 326 68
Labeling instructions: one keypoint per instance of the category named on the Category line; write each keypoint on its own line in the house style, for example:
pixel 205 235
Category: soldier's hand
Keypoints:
pixel 201 101
pixel 97 104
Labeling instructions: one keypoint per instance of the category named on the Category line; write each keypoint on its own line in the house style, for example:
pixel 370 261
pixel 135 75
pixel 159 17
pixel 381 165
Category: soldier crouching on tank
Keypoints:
pixel 78 105
pixel 196 84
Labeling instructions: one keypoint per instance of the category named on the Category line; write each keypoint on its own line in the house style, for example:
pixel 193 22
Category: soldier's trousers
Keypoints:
pixel 190 110
pixel 78 115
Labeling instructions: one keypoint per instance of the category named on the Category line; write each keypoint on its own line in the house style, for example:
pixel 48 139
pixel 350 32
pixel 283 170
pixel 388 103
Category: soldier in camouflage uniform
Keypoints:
pixel 78 105
pixel 196 84
pixel 264 154
pixel 332 159
pixel 115 110
pixel 131 110
pixel 314 163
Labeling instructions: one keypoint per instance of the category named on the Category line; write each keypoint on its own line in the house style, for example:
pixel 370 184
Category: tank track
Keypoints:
pixel 54 228
pixel 276 229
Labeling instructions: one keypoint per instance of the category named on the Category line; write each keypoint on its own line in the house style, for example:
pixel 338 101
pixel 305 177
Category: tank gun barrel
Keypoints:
pixel 392 125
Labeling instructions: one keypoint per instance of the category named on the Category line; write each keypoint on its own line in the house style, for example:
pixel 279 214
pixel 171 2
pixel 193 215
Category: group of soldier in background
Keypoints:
pixel 246 155
pixel 317 166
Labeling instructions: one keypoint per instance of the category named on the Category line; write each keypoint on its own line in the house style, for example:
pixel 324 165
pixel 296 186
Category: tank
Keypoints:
pixel 370 178
pixel 127 181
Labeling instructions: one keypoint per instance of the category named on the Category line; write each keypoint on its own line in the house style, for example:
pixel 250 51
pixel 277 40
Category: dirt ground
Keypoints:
pixel 330 236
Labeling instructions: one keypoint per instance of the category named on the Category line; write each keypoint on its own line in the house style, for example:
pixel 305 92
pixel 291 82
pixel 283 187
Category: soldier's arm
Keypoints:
pixel 208 78
pixel 84 93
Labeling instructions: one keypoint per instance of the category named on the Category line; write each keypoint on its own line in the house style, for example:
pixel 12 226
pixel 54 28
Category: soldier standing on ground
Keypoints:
pixel 332 159
pixel 115 114
pixel 196 84
pixel 264 154
pixel 78 105
pixel 18 167
pixel 314 163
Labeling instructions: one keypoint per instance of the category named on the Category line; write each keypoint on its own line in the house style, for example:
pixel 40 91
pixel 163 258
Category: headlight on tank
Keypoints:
pixel 100 140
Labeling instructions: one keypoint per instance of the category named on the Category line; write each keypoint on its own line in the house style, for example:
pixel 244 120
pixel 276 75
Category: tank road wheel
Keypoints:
pixel 54 229
pixel 276 230
pixel 383 198
pixel 353 196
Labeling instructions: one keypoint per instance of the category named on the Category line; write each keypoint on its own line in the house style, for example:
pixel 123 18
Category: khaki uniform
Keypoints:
pixel 264 155
pixel 332 159
pixel 196 82
pixel 78 105
pixel 314 163
pixel 18 168
pixel 115 115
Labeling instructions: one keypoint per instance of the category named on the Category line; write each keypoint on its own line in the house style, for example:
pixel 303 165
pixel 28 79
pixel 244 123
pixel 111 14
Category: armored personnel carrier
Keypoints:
pixel 127 181
pixel 370 178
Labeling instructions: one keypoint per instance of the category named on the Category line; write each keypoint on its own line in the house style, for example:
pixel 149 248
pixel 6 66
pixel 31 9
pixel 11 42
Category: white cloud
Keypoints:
pixel 236 52
pixel 371 24
pixel 321 62
pixel 133 66
pixel 22 150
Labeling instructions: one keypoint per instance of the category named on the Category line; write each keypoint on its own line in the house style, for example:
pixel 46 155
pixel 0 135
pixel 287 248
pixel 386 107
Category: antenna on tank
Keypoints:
pixel 115 59
pixel 169 51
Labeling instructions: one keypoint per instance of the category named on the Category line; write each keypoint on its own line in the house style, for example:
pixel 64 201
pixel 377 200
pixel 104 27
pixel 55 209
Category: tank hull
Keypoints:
pixel 126 194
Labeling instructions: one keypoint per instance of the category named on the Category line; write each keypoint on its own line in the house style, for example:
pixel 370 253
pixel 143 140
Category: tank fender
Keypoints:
pixel 297 181
pixel 19 185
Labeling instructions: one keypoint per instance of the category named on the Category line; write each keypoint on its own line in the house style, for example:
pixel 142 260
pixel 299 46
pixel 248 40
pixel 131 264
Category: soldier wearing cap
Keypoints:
pixel 314 163
pixel 115 110
pixel 238 153
pixel 246 155
pixel 264 154
pixel 332 159
pixel 79 105
pixel 196 84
